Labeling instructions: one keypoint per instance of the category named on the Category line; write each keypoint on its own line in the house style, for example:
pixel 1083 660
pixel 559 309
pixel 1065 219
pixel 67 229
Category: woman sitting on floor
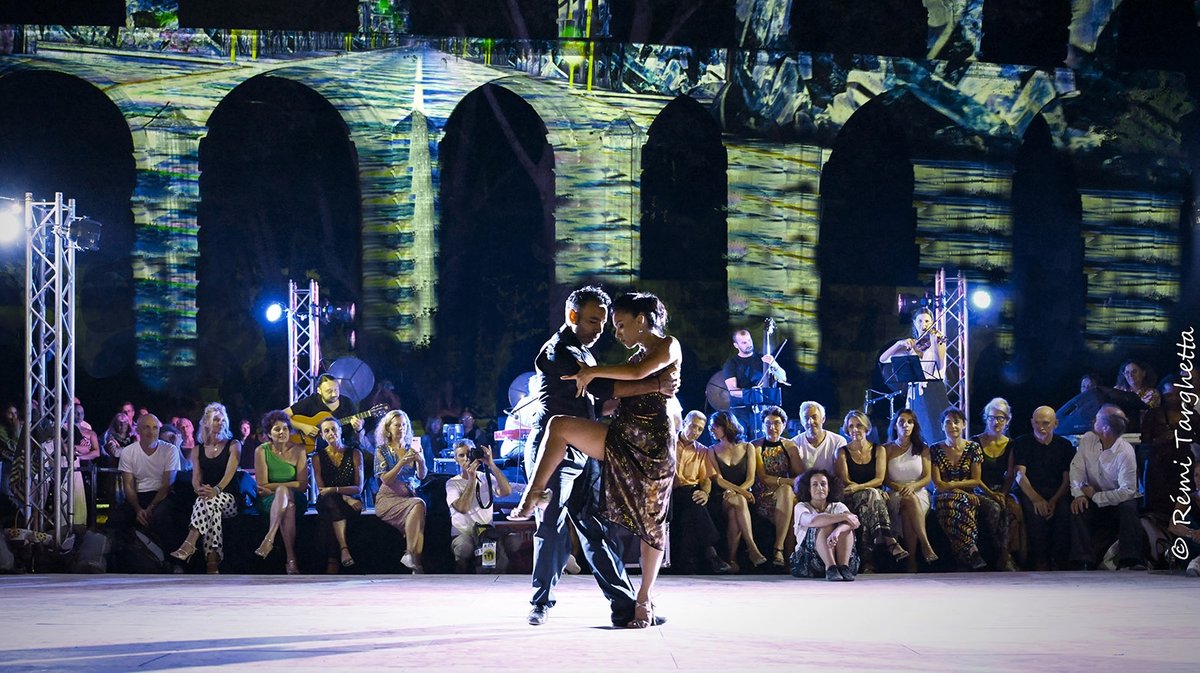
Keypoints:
pixel 824 529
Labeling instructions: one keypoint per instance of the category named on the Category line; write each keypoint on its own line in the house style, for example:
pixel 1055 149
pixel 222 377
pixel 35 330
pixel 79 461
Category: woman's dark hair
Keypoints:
pixel 643 303
pixel 803 486
pixel 773 410
pixel 273 417
pixel 1148 375
pixel 729 425
pixel 952 412
pixel 918 442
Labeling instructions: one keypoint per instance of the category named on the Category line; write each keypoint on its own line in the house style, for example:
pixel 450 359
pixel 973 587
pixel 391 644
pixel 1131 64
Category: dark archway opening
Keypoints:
pixel 279 201
pixel 1030 32
pixel 59 133
pixel 880 27
pixel 684 227
pixel 1047 281
pixel 867 246
pixel 496 259
pixel 684 186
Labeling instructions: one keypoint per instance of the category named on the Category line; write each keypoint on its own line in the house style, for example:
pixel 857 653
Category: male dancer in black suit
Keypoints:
pixel 576 484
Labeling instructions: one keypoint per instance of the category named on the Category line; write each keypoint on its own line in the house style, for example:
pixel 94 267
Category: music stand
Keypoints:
pixel 906 369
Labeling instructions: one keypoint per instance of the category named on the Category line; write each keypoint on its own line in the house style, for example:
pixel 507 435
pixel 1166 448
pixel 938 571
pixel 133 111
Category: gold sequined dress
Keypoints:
pixel 639 466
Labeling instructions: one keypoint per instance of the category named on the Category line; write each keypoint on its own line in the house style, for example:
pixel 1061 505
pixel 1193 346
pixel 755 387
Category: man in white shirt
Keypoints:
pixel 471 497
pixel 818 447
pixel 148 468
pixel 1104 492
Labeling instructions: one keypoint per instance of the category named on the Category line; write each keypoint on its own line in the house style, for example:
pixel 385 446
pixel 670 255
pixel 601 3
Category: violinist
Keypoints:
pixel 926 399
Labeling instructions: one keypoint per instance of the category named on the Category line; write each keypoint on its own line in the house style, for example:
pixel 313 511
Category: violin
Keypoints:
pixel 768 381
pixel 923 342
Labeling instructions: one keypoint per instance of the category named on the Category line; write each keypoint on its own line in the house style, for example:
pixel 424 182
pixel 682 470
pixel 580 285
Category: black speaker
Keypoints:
pixel 1076 416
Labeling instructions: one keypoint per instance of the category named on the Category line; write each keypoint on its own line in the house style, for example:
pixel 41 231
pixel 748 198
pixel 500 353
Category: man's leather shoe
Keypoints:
pixel 719 567
pixel 538 615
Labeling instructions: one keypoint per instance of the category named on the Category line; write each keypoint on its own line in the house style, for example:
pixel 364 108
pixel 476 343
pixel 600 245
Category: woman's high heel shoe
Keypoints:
pixel 643 616
pixel 292 568
pixel 264 549
pixel 532 499
pixel 184 552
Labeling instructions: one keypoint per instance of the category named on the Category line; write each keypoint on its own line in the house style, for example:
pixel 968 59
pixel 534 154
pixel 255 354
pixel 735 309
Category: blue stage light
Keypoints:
pixel 981 299
pixel 274 312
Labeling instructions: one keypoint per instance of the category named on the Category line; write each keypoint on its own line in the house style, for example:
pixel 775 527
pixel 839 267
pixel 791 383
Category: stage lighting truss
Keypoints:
pixel 951 310
pixel 304 339
pixel 53 235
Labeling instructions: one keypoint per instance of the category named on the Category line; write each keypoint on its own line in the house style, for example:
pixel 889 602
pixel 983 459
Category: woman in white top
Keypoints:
pixel 824 529
pixel 907 478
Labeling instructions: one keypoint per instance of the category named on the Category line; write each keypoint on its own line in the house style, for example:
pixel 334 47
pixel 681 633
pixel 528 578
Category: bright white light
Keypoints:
pixel 11 226
pixel 981 299
pixel 274 312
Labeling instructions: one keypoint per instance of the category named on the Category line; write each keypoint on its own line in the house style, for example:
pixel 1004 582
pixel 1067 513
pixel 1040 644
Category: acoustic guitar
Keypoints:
pixel 309 442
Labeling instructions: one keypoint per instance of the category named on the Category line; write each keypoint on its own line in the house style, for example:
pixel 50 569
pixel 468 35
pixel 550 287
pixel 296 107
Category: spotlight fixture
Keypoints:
pixel 274 312
pixel 981 299
pixel 11 222
pixel 84 232
pixel 338 313
pixel 907 303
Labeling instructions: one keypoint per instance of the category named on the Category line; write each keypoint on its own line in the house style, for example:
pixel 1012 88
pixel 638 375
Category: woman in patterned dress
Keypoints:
pixel 961 494
pixel 862 465
pixel 637 449
pixel 778 464
pixel 214 463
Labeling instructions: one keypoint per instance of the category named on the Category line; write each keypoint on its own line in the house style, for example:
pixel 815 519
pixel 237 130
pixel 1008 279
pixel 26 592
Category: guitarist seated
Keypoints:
pixel 307 412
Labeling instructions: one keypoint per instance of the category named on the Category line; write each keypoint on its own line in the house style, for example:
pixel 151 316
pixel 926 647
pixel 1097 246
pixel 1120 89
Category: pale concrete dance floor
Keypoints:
pixel 1063 622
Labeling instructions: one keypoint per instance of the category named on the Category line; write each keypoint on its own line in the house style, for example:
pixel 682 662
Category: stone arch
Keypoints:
pixel 63 133
pixel 1046 280
pixel 276 151
pixel 684 186
pixel 496 247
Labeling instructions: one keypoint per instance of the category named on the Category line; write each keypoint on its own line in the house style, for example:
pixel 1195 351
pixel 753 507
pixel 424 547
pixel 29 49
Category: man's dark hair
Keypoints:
pixel 325 378
pixel 591 293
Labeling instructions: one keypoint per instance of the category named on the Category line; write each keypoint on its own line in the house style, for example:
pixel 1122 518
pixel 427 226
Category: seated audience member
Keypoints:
pixel 907 479
pixel 120 433
pixel 1088 381
pixel 1165 460
pixel 1043 461
pixel 338 472
pixel 148 468
pixel 248 438
pixel 818 448
pixel 862 466
pixel 281 470
pixel 170 434
pixel 400 467
pixel 1134 377
pixel 471 496
pixel 187 435
pixel 998 471
pixel 216 458
pixel 87 449
pixel 693 534
pixel 733 464
pixel 1185 526
pixel 824 529
pixel 961 496
pixel 1104 491
pixel 480 436
pixel 778 465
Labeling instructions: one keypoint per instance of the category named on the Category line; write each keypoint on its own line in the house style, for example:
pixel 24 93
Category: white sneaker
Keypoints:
pixel 1193 569
pixel 572 566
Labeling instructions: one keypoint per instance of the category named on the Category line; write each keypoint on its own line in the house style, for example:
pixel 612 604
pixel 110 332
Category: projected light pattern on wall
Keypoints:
pixel 779 111
pixel 1131 258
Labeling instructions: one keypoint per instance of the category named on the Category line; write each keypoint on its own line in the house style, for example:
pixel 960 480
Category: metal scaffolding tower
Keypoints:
pixel 950 316
pixel 53 235
pixel 304 339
